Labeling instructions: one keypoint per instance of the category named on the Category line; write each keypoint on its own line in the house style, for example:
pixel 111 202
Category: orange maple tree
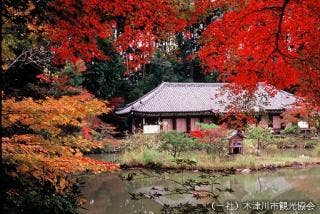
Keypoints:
pixel 36 145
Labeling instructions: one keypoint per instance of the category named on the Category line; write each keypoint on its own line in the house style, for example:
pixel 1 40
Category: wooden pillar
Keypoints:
pixel 160 123
pixel 270 124
pixel 201 119
pixel 188 123
pixel 174 123
pixel 133 125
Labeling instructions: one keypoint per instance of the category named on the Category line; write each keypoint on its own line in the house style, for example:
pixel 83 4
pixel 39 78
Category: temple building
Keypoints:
pixel 180 106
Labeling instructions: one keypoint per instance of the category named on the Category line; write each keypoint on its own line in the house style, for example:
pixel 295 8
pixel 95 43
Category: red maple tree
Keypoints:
pixel 134 26
pixel 254 41
pixel 272 41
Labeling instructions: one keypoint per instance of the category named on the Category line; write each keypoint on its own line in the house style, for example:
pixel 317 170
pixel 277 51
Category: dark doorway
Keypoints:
pixel 236 150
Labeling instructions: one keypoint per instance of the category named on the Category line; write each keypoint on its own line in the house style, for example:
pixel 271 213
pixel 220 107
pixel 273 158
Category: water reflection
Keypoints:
pixel 107 193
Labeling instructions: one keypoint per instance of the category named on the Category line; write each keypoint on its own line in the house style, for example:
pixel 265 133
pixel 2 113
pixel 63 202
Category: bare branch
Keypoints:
pixel 281 14
pixel 39 56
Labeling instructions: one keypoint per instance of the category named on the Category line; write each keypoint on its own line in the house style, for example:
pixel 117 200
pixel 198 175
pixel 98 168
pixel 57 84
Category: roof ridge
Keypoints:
pixel 194 83
pixel 178 93
pixel 152 93
pixel 144 96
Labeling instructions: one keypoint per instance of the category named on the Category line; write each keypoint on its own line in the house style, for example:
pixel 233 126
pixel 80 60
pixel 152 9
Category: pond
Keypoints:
pixel 107 193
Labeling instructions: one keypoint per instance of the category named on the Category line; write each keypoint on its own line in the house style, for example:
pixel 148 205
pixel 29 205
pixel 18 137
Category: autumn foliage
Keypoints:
pixel 44 143
pixel 134 26
pixel 213 138
pixel 246 41
pixel 303 112
pixel 44 125
pixel 211 135
pixel 267 41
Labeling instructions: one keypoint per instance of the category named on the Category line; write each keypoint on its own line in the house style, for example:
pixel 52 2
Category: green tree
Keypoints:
pixel 105 79
pixel 176 142
pixel 261 135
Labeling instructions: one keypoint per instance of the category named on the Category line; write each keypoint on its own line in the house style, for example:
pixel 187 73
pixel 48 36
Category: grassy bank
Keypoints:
pixel 284 151
pixel 206 161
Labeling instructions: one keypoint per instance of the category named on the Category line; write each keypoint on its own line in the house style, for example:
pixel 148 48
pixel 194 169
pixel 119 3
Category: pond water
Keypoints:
pixel 107 193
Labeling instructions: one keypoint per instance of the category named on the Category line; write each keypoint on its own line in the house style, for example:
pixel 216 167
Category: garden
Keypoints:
pixel 208 149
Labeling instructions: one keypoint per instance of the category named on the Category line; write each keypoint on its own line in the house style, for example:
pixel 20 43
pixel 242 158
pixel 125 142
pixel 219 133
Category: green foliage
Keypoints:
pixel 151 156
pixel 176 142
pixel 205 126
pixel 160 69
pixel 182 162
pixel 75 78
pixel 32 195
pixel 294 129
pixel 145 157
pixel 261 135
pixel 105 79
pixel 288 142
pixel 219 148
pixel 269 157
pixel 42 202
pixel 310 144
pixel 164 67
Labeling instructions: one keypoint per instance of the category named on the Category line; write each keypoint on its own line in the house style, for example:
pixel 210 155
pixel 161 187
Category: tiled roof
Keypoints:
pixel 171 97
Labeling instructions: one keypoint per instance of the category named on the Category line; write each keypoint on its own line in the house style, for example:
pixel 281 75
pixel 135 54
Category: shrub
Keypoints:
pixel 204 126
pixel 288 142
pixel 213 138
pixel 218 148
pixel 176 142
pixel 294 129
pixel 310 144
pixel 249 146
pixel 142 142
pixel 150 156
pixel 283 143
pixel 261 135
pixel 183 163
